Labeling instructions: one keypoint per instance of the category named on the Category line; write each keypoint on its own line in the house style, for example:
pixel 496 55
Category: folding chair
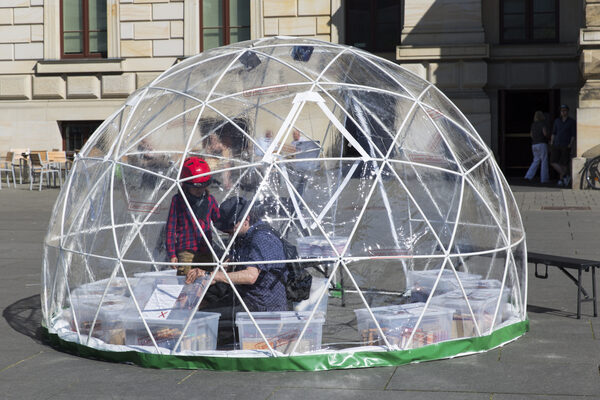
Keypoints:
pixel 9 168
pixel 41 169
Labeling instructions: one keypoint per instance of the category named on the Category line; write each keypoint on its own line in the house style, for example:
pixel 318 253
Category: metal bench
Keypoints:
pixel 564 263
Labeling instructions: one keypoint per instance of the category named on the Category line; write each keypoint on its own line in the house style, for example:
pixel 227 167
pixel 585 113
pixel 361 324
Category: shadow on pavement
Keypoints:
pixel 552 311
pixel 25 317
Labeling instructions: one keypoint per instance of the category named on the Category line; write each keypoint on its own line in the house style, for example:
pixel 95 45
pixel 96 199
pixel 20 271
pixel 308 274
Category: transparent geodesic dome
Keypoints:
pixel 394 203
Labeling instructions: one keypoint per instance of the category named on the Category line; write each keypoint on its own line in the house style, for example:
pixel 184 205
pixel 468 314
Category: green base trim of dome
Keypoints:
pixel 313 362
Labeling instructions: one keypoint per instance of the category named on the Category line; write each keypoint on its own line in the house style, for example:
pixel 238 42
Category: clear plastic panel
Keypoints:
pixel 352 68
pixel 392 225
pixel 102 143
pixel 199 80
pixel 411 83
pixel 436 195
pixel 436 100
pixel 478 229
pixel 466 149
pixel 428 147
pixel 258 73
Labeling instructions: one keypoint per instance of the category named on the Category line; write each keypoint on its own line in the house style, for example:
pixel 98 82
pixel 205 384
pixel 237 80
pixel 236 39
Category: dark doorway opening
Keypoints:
pixel 516 115
pixel 76 133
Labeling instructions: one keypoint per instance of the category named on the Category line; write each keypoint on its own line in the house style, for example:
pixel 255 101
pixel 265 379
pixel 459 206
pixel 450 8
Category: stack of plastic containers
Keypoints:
pixel 483 303
pixel 318 246
pixel 399 323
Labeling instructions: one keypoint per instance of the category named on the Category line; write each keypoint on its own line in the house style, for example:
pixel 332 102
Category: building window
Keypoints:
pixel 528 21
pixel 223 22
pixel 374 25
pixel 83 28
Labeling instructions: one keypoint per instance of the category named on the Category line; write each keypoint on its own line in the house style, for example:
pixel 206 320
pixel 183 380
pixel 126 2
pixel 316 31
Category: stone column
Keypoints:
pixel 443 41
pixel 588 113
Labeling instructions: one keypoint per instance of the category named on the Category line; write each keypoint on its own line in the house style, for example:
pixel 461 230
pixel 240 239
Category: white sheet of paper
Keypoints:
pixel 161 301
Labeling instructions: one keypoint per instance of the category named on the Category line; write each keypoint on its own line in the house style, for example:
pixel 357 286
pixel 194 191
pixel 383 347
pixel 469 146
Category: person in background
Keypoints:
pixel 539 148
pixel 263 143
pixel 563 136
pixel 218 158
pixel 184 241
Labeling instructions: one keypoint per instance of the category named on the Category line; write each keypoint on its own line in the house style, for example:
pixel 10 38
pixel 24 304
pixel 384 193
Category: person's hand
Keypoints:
pixel 174 260
pixel 194 274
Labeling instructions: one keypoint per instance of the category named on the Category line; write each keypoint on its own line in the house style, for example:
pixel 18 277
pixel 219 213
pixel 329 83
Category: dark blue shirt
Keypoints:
pixel 268 292
pixel 563 131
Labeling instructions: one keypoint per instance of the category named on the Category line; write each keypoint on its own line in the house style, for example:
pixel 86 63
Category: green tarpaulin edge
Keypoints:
pixel 313 362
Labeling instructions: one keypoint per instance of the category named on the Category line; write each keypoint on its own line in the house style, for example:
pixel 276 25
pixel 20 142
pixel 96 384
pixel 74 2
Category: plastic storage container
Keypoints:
pixel 398 322
pixel 118 286
pixel 200 335
pixel 483 303
pixel 421 282
pixel 317 286
pixel 318 246
pixel 187 297
pixel 282 329
pixel 108 326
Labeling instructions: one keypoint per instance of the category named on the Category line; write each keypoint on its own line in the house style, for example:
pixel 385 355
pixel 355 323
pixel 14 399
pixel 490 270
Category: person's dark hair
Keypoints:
pixel 232 211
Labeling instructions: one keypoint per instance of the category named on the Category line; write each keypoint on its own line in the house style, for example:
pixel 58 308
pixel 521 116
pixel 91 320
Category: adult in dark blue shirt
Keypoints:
pixel 563 136
pixel 260 282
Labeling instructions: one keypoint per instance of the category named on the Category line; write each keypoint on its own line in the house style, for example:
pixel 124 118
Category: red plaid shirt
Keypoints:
pixel 182 231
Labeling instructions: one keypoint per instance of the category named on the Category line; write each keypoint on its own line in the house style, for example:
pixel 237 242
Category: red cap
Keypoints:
pixel 193 166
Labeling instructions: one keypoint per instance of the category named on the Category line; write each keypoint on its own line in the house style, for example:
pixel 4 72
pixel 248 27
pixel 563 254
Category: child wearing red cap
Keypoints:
pixel 184 241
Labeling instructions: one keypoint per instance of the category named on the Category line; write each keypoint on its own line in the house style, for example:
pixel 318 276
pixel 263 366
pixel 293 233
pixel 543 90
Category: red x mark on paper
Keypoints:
pixel 162 314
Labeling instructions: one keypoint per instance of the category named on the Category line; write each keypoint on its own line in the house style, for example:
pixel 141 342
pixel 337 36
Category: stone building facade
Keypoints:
pixel 459 45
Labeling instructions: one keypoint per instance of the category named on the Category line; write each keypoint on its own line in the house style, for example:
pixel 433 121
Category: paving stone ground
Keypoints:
pixel 558 359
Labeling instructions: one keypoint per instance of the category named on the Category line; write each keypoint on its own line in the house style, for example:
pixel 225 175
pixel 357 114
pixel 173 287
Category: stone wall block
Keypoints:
pixel 6 16
pixel 136 48
pixel 176 29
pixel 302 26
pixel 29 15
pixel 17 87
pixel 144 78
pixel 29 51
pixel 14 3
pixel 474 75
pixel 49 87
pixel 37 2
pixel 444 75
pixel 170 11
pixel 118 85
pixel 323 25
pixel 83 87
pixel 6 51
pixel 279 8
pixel 417 68
pixel 37 33
pixel 588 121
pixel 314 7
pixel 150 1
pixel 590 63
pixel 167 48
pixel 592 15
pixel 15 34
pixel 126 30
pixel 135 12
pixel 271 26
pixel 151 30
